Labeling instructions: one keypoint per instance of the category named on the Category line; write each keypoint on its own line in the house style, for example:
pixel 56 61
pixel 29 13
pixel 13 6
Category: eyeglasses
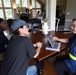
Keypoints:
pixel 73 25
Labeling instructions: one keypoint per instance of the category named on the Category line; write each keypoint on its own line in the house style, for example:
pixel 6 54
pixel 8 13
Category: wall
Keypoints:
pixel 62 3
pixel 70 13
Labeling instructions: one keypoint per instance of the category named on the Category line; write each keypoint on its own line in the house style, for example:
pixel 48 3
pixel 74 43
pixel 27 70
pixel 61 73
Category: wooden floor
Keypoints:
pixel 48 66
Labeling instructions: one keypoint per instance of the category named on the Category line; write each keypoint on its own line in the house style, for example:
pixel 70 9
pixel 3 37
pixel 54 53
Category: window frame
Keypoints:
pixel 4 8
pixel 22 5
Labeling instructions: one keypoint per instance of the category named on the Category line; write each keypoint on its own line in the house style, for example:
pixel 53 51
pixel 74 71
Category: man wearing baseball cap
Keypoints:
pixel 19 52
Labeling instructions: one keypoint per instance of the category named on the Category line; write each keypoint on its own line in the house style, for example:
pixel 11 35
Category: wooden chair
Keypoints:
pixel 57 24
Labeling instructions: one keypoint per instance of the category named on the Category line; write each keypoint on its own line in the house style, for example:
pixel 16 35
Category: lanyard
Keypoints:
pixel 72 57
pixel 72 46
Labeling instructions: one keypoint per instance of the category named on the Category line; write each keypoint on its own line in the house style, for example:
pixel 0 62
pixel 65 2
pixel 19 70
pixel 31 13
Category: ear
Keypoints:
pixel 20 29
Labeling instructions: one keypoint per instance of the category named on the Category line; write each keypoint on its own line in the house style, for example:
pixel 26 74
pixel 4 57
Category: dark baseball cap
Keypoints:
pixel 17 24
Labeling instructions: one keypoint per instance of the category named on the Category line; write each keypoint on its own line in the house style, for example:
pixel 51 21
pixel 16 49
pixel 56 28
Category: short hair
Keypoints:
pixel 74 20
pixel 9 22
pixel 38 11
pixel 1 20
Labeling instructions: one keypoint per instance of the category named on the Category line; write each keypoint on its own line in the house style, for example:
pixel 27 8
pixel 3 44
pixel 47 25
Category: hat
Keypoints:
pixel 18 23
pixel 1 20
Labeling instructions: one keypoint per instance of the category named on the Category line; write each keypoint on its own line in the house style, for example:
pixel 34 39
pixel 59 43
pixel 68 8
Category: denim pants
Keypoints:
pixel 32 70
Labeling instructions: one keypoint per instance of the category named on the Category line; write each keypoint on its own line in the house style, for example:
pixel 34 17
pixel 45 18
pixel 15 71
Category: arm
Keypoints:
pixel 38 45
pixel 66 40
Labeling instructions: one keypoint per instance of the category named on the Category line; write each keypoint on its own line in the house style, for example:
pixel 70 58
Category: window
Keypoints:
pixel 6 9
pixel 0 3
pixel 7 3
pixel 33 3
pixel 18 3
pixel 22 3
pixel 8 13
pixel 1 13
pixel 38 5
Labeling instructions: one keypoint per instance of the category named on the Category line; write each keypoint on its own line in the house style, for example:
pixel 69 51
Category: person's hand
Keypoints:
pixel 39 44
pixel 55 38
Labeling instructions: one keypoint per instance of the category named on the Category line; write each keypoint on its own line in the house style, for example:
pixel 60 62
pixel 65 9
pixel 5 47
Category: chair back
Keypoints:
pixel 36 23
pixel 57 24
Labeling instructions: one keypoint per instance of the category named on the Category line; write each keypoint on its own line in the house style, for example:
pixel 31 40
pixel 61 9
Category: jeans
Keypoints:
pixel 32 70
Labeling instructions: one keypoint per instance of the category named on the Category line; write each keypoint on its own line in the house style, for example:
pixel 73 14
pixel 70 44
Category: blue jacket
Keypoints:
pixel 70 62
pixel 3 42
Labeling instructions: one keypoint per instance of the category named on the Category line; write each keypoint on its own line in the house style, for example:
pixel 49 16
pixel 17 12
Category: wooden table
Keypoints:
pixel 46 54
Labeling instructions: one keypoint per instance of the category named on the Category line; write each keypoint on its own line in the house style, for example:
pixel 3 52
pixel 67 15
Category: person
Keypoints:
pixel 19 51
pixel 3 38
pixel 66 64
pixel 38 14
pixel 9 22
pixel 9 31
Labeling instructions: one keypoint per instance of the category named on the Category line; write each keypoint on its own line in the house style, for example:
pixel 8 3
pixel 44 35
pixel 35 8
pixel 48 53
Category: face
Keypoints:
pixel 73 27
pixel 24 30
pixel 3 25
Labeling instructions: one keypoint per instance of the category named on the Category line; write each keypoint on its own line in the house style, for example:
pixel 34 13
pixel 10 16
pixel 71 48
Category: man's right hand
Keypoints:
pixel 56 39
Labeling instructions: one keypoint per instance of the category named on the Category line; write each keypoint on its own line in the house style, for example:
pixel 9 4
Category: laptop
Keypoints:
pixel 52 44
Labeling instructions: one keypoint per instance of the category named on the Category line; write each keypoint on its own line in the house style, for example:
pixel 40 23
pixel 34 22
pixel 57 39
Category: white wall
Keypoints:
pixel 70 12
